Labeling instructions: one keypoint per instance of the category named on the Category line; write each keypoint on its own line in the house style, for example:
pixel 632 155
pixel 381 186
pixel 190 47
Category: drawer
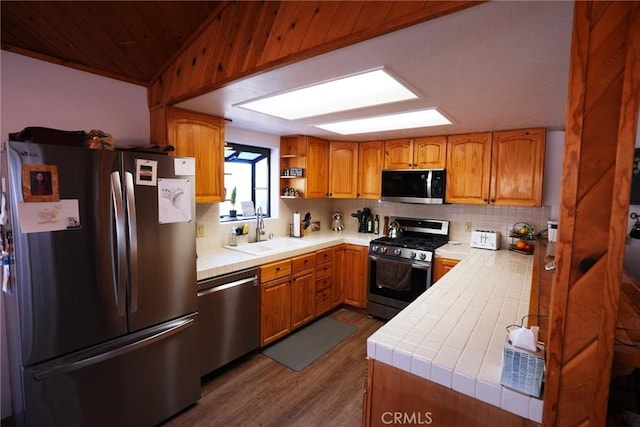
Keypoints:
pixel 303 262
pixel 275 270
pixel 323 284
pixel 324 270
pixel 323 301
pixel 324 256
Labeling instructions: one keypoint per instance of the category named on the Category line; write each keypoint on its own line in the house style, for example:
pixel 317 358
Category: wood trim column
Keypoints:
pixel 602 113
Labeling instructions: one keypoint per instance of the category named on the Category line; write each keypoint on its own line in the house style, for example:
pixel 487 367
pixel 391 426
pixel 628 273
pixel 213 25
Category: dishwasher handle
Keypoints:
pixel 229 285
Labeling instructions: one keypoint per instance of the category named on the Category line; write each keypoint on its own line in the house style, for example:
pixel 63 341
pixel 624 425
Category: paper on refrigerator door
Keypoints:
pixel 48 216
pixel 174 200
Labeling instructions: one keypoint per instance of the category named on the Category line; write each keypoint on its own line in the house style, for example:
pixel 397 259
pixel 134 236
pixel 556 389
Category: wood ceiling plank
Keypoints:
pixel 372 15
pixel 298 28
pixel 579 377
pixel 323 18
pixel 400 9
pixel 345 20
pixel 278 31
pixel 267 14
pixel 216 67
pixel 209 61
pixel 96 17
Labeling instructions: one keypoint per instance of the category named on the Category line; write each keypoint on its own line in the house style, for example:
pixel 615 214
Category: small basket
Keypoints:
pixel 522 238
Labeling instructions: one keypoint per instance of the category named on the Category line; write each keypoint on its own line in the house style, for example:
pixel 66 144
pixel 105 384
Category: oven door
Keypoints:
pixel 386 302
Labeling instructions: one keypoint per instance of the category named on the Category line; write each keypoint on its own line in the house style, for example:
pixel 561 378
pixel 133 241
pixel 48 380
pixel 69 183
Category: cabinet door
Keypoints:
pixel 343 170
pixel 468 167
pixel 202 137
pixel 398 153
pixel 338 275
pixel 303 298
pixel 430 152
pixel 317 163
pixel 354 270
pixel 442 266
pixel 517 167
pixel 370 163
pixel 275 310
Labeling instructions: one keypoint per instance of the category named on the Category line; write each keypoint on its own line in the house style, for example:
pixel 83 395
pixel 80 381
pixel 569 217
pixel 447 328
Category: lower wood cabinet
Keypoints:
pixel 354 275
pixel 441 266
pixel 275 309
pixel 303 290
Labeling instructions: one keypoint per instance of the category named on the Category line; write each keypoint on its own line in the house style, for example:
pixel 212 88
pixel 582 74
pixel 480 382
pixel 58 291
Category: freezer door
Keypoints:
pixel 138 380
pixel 65 295
pixel 162 239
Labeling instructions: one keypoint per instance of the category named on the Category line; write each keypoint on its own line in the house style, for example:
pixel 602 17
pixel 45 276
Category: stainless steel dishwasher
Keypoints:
pixel 228 318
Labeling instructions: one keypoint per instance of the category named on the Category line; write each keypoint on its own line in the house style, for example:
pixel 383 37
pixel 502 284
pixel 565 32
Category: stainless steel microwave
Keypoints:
pixel 425 186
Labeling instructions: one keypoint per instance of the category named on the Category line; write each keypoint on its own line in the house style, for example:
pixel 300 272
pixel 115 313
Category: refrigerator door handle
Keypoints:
pixel 133 240
pixel 120 278
pixel 92 360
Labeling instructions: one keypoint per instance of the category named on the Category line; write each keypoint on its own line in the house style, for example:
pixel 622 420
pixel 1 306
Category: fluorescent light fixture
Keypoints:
pixel 358 91
pixel 410 120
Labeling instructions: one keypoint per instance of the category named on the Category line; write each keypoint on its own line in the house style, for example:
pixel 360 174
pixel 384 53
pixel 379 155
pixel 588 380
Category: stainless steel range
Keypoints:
pixel 400 266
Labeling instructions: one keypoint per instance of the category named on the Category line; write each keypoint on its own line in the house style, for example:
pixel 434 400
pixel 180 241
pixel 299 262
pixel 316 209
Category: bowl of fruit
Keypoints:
pixel 522 238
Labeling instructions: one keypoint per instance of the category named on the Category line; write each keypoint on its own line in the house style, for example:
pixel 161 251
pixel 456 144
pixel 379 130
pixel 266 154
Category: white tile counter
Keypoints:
pixel 222 261
pixel 454 333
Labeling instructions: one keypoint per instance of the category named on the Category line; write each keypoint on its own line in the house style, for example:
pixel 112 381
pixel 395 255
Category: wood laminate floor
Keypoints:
pixel 257 391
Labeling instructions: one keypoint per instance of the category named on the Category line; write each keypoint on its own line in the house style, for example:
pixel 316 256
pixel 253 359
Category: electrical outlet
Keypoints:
pixel 200 230
pixel 467 227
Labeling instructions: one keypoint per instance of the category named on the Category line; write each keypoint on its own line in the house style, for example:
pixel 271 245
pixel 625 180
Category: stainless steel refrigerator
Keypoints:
pixel 101 292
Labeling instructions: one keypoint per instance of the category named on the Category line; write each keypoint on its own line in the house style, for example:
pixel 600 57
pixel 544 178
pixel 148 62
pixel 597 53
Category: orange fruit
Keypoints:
pixel 520 244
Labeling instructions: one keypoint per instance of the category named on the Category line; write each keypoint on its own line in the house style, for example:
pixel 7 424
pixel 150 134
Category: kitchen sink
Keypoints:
pixel 268 246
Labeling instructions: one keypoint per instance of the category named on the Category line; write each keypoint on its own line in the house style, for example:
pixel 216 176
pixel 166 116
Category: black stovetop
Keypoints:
pixel 416 241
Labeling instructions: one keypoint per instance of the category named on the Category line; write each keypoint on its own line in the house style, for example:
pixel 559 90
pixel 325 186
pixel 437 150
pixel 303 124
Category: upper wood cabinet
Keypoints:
pixel 427 152
pixel 468 168
pixel 200 136
pixel 503 168
pixel 343 170
pixel 398 153
pixel 312 156
pixel 370 163
pixel 517 167
pixel 430 152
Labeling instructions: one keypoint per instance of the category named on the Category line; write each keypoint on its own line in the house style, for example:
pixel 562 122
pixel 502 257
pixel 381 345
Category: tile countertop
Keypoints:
pixel 222 260
pixel 454 333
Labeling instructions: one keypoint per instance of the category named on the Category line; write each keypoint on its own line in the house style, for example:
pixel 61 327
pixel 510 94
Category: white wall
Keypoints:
pixel 37 93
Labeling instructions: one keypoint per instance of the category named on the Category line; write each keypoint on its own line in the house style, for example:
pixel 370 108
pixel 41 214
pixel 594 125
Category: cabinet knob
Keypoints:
pixel 485 200
pixel 277 268
pixel 493 200
pixel 409 165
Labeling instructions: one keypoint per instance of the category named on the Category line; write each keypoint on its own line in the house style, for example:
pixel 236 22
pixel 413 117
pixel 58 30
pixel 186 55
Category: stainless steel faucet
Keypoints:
pixel 259 225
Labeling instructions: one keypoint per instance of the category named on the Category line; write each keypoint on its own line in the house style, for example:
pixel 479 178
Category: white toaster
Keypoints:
pixel 485 239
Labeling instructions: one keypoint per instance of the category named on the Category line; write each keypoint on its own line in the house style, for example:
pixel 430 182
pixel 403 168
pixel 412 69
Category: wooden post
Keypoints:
pixel 602 113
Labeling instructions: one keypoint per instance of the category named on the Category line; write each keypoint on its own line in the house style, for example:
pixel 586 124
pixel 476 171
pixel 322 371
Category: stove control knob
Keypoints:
pixel 383 249
pixel 374 248
pixel 397 251
pixel 423 256
pixel 412 254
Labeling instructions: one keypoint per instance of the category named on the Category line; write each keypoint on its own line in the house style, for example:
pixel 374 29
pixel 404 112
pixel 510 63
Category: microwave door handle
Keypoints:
pixel 429 178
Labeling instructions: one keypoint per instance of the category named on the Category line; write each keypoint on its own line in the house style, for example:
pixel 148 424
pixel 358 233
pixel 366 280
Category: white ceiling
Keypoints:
pixel 499 65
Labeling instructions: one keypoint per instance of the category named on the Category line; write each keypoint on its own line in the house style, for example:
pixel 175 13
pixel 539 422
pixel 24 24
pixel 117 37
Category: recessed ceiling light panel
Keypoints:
pixel 358 91
pixel 409 120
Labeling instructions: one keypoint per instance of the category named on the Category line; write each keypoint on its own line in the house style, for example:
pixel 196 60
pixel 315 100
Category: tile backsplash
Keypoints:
pixel 483 217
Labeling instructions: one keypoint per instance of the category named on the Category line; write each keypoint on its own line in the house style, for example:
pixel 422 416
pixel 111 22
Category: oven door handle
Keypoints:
pixel 415 265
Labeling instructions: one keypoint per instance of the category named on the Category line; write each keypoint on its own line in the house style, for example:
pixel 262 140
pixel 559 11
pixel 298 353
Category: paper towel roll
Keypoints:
pixel 296 224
